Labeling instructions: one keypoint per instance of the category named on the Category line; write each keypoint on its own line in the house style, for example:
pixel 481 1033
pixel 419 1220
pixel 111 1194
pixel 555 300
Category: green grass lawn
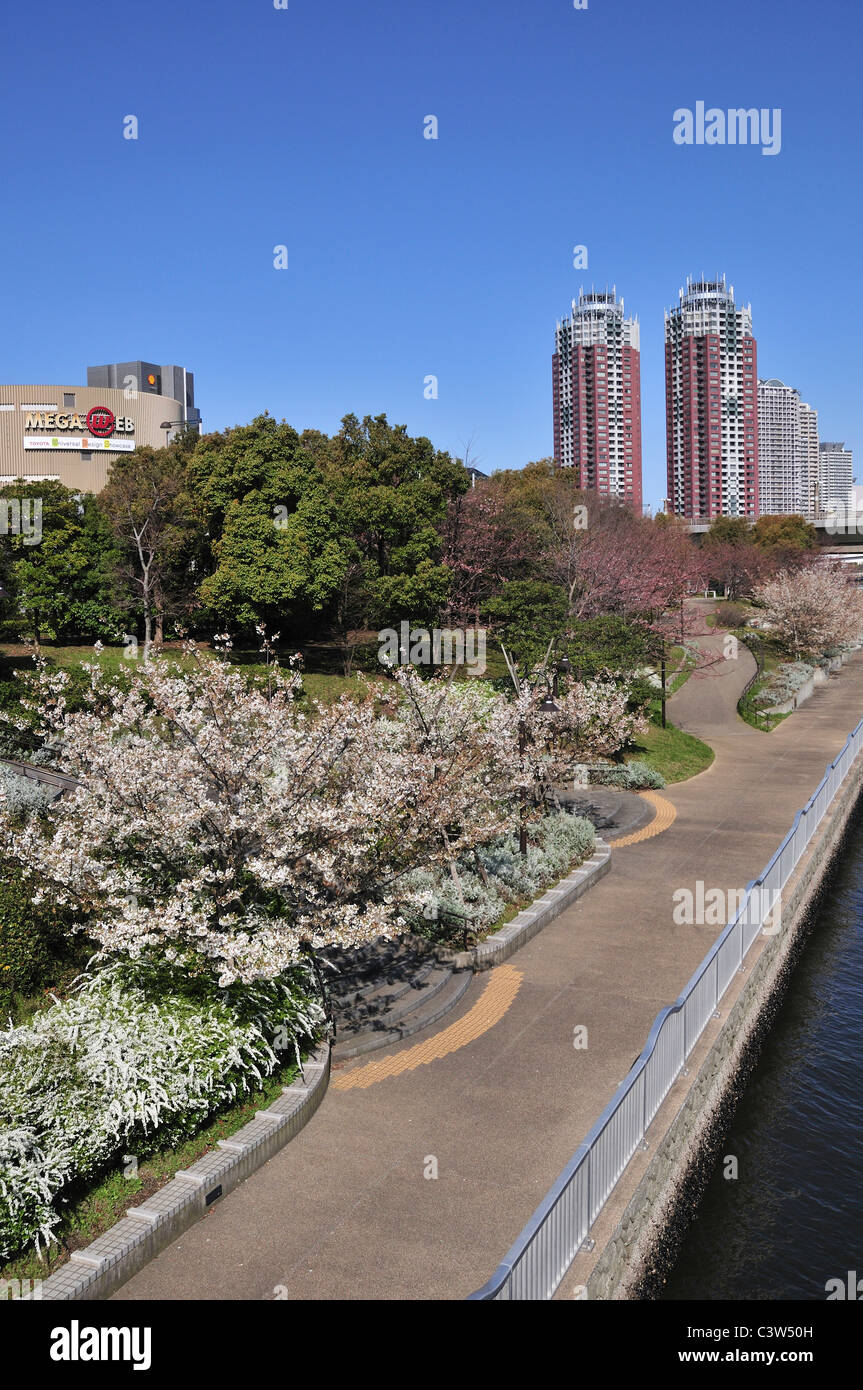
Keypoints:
pixel 95 1208
pixel 671 752
pixel 772 657
pixel 679 667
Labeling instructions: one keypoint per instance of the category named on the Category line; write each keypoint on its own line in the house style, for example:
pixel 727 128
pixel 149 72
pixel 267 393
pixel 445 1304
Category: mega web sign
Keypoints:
pixel 99 429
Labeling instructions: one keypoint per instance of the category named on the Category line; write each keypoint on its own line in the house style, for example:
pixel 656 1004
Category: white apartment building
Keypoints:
pixel 835 475
pixel 788 455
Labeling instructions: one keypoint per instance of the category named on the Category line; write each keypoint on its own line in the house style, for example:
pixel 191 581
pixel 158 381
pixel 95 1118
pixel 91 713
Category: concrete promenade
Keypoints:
pixel 346 1211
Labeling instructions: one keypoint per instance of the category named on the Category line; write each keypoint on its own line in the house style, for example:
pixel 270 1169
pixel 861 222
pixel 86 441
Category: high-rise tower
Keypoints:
pixel 711 374
pixel 596 377
pixel 835 475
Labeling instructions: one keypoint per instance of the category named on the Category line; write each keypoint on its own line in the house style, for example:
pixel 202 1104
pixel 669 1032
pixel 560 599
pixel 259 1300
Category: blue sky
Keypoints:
pixel 407 257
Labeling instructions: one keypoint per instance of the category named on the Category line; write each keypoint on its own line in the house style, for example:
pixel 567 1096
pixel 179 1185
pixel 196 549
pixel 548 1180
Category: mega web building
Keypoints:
pixel 71 434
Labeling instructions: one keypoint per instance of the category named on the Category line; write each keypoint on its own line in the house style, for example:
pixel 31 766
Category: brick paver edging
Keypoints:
pixel 101 1267
pixel 554 901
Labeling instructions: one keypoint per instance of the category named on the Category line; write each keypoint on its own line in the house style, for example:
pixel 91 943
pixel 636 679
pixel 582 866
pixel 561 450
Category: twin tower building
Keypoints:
pixel 736 445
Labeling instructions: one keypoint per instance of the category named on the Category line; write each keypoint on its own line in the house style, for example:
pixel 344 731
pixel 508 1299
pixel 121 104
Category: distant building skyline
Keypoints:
pixel 835 474
pixel 736 444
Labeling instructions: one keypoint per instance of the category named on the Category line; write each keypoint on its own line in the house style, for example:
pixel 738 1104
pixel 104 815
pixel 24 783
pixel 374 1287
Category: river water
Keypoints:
pixel 793 1217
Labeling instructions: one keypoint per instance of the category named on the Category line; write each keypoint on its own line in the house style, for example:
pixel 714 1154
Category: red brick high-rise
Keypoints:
pixel 596 380
pixel 711 390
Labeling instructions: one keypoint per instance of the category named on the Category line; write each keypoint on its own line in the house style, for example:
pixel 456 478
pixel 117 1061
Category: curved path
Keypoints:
pixel 352 1207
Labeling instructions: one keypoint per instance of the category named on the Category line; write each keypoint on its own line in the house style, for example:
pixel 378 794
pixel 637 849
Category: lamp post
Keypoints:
pixel 168 425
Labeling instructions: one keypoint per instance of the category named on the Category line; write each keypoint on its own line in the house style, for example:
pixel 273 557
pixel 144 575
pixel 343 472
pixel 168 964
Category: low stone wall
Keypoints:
pixel 819 676
pixel 633 1249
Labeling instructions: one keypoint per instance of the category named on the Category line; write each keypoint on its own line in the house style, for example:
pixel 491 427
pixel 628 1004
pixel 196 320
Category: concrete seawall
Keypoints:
pixel 638 1233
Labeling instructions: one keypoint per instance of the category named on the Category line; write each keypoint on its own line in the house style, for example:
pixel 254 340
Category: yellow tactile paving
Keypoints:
pixel 489 1009
pixel 665 816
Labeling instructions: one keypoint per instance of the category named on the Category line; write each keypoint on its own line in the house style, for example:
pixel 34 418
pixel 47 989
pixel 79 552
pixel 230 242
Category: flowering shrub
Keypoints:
pixel 811 610
pixel 229 829
pixel 593 719
pixel 564 841
pixel 631 776
pixel 129 1059
pixel 784 682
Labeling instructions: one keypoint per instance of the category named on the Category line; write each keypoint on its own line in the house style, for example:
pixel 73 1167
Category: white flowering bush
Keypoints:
pixel 128 1061
pixel 812 609
pixel 227 828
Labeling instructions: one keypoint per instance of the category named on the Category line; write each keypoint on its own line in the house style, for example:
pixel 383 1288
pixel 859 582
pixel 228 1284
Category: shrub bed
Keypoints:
pixel 783 683
pixel 632 776
pixel 497 875
pixel 132 1055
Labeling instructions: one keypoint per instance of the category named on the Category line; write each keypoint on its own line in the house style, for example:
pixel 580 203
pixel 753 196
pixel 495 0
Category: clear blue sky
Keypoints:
pixel 408 256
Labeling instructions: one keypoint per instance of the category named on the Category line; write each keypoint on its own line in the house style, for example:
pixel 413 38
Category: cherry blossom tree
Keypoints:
pixel 484 546
pixel 233 828
pixel 614 562
pixel 813 609
pixel 229 827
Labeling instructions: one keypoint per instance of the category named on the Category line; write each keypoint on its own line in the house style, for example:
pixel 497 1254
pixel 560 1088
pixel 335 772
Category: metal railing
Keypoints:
pixel 546 1247
pixel 48 775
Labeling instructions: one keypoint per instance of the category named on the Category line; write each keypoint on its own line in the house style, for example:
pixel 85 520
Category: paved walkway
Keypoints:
pixel 347 1211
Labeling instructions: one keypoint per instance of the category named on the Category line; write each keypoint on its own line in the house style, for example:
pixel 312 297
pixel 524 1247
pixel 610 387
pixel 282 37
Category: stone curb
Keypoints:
pixel 103 1266
pixel 531 920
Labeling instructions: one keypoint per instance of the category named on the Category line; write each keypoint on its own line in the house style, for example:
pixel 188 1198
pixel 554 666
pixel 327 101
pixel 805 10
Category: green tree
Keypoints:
pixel 62 585
pixel 606 645
pixel 338 532
pixel 392 492
pixel 526 616
pixel 780 533
pixel 148 507
pixel 278 552
pixel 729 530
